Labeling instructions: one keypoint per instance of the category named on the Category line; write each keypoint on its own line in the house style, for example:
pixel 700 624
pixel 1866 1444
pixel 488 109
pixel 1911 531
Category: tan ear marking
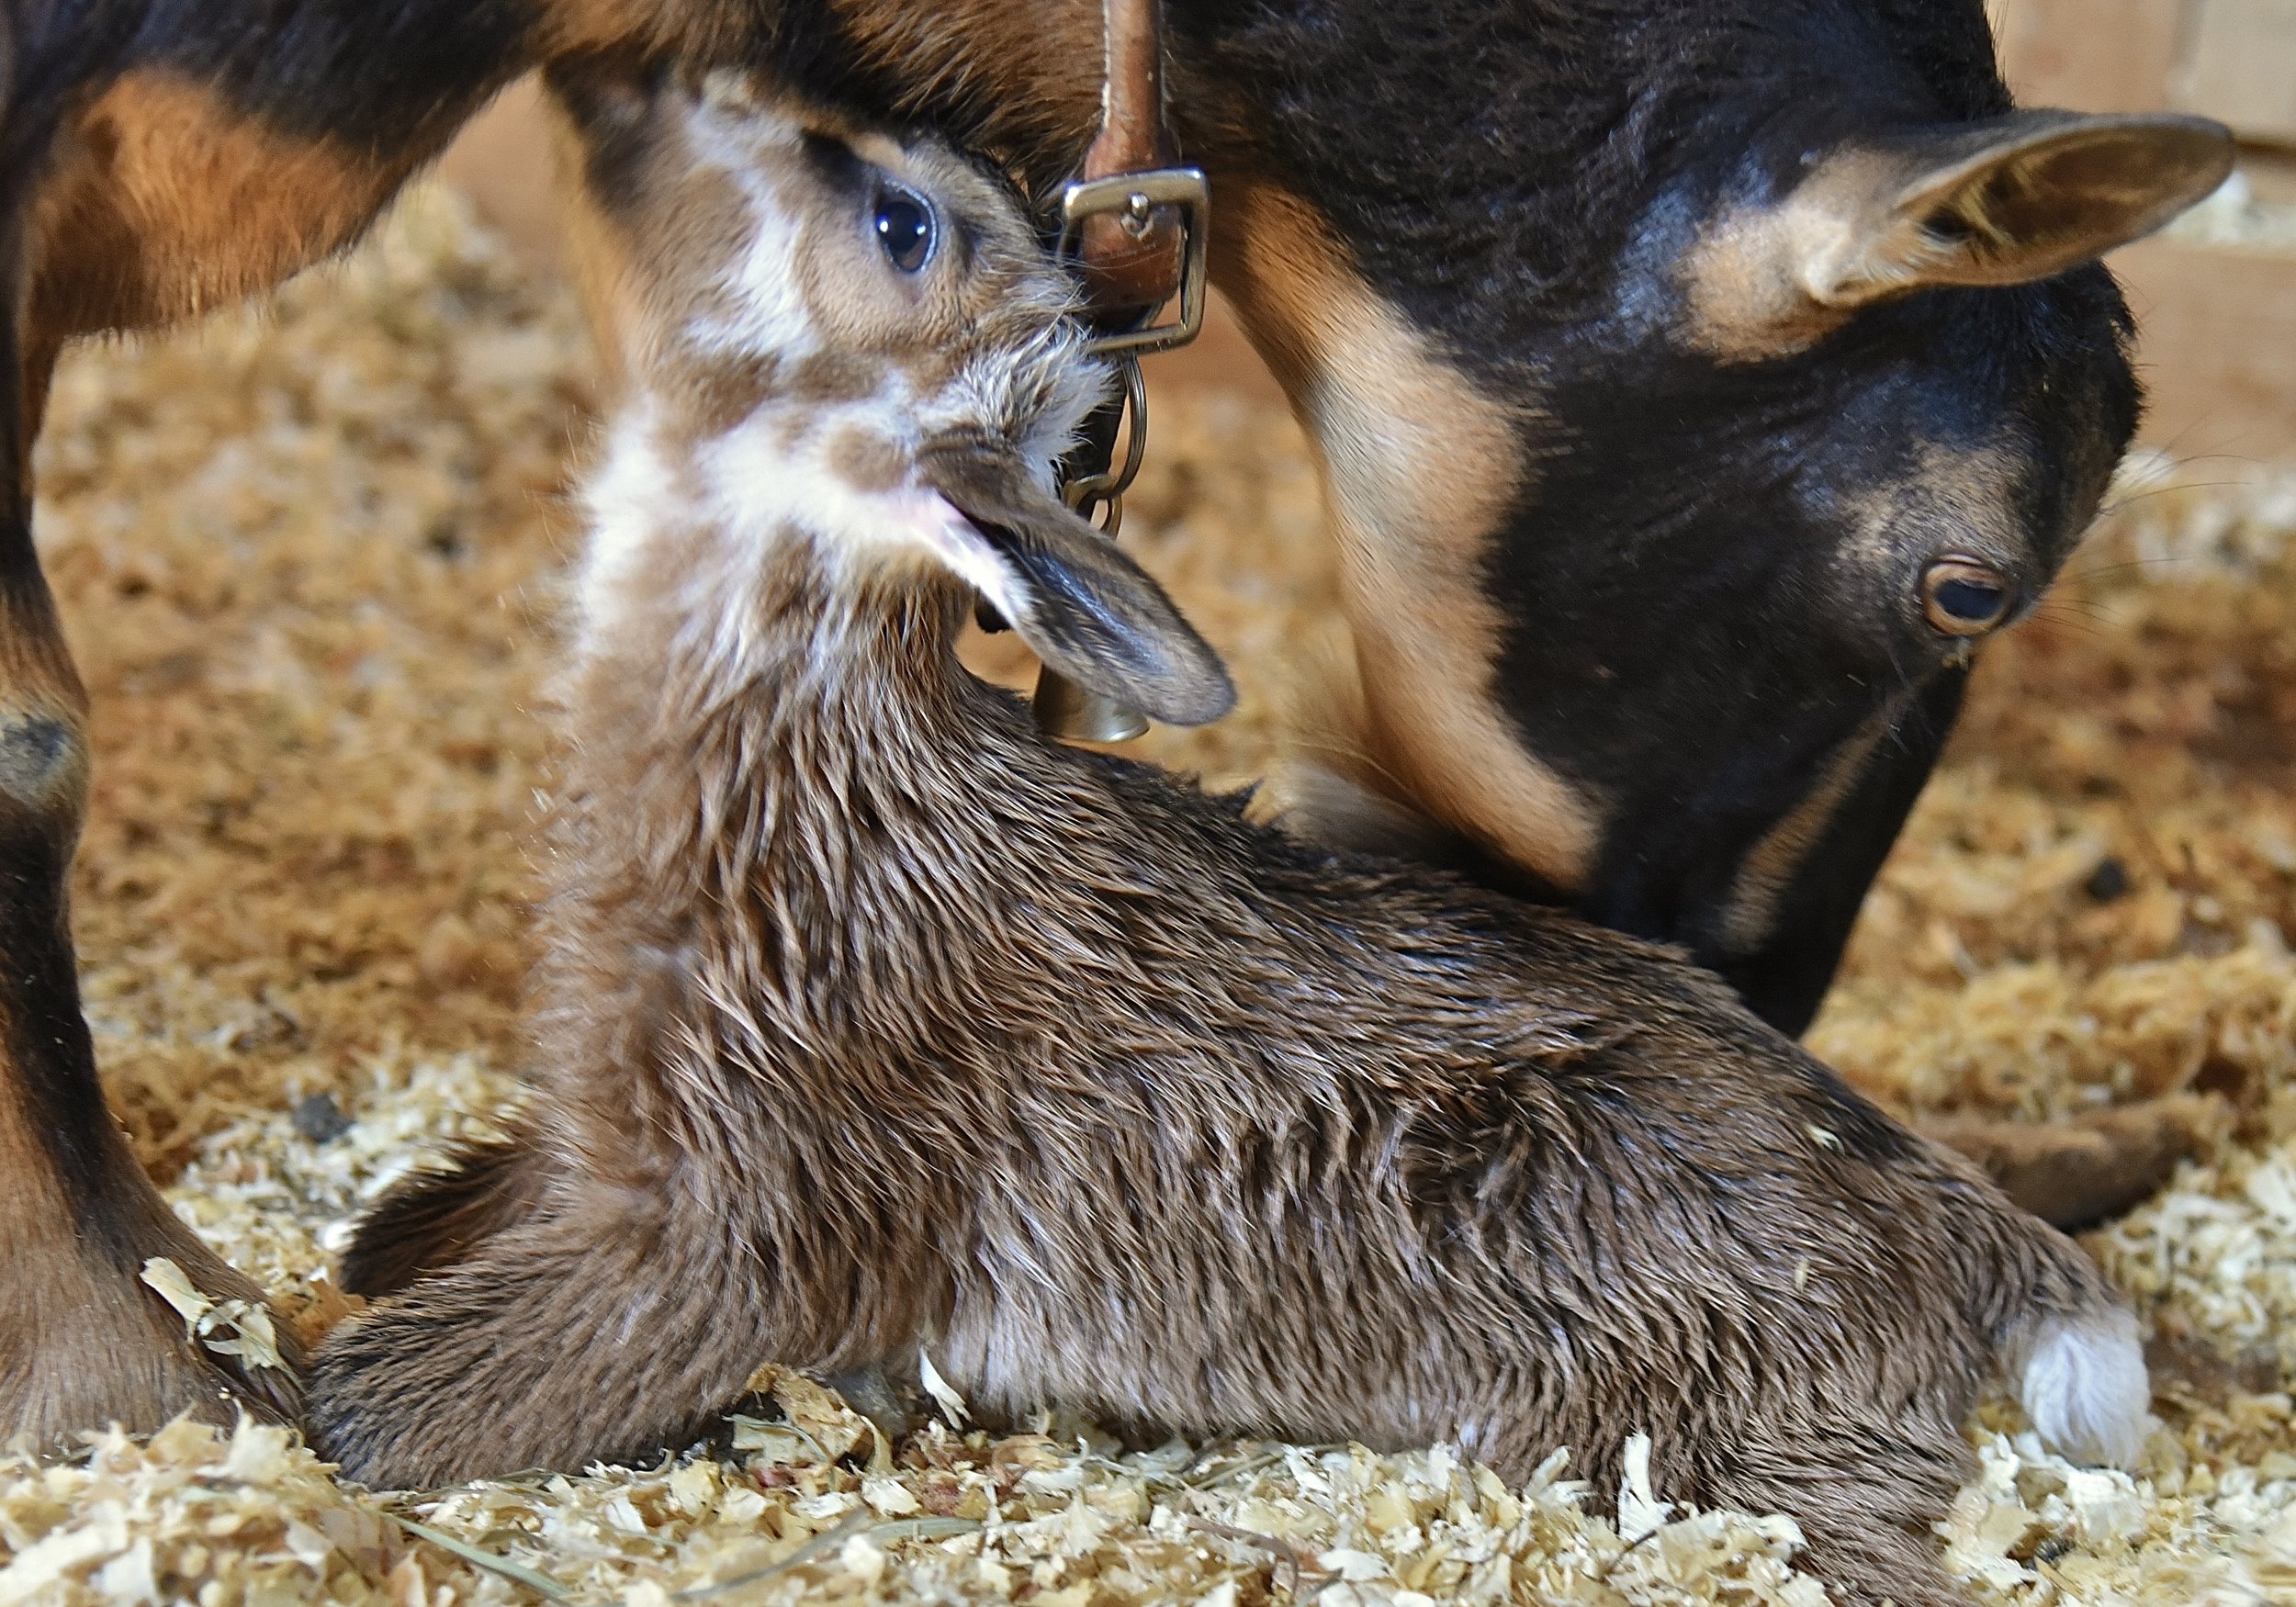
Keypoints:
pixel 2006 202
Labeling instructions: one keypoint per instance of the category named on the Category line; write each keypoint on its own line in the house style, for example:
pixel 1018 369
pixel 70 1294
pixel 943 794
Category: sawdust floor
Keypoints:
pixel 309 561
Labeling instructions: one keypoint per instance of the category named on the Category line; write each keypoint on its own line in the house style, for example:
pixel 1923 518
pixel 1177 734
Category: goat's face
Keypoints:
pixel 756 251
pixel 860 343
pixel 1865 514
pixel 1880 392
pixel 1670 512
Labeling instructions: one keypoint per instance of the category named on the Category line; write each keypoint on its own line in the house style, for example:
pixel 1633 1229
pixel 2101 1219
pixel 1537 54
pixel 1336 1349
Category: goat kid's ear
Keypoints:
pixel 2005 202
pixel 1087 609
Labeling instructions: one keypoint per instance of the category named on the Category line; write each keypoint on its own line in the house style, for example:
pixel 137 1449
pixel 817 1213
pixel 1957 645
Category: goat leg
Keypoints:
pixel 586 1332
pixel 2084 1169
pixel 82 1341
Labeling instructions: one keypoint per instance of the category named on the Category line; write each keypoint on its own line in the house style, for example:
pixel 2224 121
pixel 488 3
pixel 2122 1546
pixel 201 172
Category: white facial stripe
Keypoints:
pixel 756 478
pixel 631 495
pixel 768 313
pixel 751 494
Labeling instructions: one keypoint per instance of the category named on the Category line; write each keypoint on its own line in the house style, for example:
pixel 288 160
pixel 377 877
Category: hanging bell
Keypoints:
pixel 1069 712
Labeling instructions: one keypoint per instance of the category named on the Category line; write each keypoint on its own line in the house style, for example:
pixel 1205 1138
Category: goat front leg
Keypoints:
pixel 607 1326
pixel 83 1342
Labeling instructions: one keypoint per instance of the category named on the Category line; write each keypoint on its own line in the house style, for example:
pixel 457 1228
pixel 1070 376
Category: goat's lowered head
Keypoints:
pixel 888 370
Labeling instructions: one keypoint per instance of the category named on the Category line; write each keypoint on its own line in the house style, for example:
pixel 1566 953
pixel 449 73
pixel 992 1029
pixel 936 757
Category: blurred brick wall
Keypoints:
pixel 2219 322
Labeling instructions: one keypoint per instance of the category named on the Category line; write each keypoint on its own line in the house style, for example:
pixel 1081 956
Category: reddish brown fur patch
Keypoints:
pixel 831 378
pixel 167 201
pixel 1419 468
pixel 695 29
pixel 720 392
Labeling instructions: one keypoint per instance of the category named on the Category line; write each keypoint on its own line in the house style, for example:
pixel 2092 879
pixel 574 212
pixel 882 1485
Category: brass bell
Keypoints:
pixel 1069 712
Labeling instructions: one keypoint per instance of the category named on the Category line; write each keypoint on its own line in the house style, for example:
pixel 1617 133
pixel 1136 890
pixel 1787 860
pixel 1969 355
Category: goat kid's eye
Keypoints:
pixel 1961 597
pixel 903 227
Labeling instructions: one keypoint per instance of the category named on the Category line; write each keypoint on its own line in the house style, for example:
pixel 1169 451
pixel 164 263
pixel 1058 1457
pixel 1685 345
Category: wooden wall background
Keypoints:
pixel 2219 319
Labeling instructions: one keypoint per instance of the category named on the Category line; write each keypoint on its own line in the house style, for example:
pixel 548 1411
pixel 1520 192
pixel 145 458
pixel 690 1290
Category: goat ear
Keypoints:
pixel 1087 609
pixel 2003 202
pixel 2010 201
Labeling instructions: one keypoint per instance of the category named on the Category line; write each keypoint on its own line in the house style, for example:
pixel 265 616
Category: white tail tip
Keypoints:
pixel 2086 1388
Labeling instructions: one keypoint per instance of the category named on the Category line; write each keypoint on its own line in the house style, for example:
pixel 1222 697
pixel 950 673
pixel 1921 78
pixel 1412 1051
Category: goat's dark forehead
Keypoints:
pixel 1474 184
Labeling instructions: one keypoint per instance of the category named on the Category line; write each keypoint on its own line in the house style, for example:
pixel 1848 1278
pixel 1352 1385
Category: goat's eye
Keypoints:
pixel 1961 597
pixel 904 229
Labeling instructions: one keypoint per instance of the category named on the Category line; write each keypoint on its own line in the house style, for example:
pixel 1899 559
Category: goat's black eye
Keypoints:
pixel 1961 597
pixel 904 228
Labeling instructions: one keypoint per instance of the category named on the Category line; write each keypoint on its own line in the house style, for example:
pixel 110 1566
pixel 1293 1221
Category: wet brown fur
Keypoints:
pixel 146 191
pixel 477 1193
pixel 873 1021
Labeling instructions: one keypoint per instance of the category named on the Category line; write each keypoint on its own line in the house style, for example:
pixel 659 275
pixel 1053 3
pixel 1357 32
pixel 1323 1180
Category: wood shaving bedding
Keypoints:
pixel 308 559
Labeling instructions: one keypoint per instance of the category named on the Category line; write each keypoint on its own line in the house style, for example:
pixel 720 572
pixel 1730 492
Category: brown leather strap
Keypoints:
pixel 1133 262
pixel 1132 266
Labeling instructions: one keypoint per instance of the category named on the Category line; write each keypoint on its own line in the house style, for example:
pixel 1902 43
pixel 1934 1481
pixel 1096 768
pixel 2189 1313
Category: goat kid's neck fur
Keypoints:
pixel 784 779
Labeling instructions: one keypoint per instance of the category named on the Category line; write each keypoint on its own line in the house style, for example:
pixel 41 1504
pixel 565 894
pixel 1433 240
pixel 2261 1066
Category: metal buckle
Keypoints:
pixel 1131 197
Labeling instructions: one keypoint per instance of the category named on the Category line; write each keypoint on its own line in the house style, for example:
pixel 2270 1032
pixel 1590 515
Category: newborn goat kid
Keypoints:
pixel 874 1020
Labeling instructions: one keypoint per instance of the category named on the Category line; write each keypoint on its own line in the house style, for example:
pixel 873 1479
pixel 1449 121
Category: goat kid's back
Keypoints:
pixel 872 1021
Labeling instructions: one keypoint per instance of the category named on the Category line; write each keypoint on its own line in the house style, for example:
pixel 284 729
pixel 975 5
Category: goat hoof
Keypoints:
pixel 90 1344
